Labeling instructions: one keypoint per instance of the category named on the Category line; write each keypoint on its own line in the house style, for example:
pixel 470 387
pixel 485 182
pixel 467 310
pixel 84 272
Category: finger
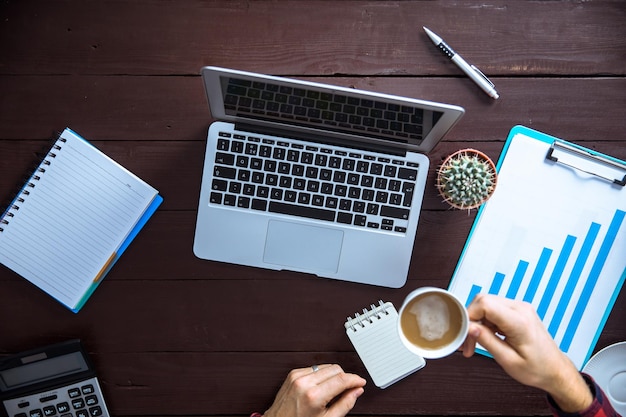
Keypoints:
pixel 334 386
pixel 469 345
pixel 323 373
pixel 345 402
pixel 496 312
pixel 296 375
pixel 300 372
pixel 499 349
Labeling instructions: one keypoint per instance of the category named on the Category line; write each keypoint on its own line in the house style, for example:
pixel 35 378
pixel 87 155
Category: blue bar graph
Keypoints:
pixel 582 263
pixel 540 269
pixel 561 261
pixel 473 292
pixel 573 279
pixel 496 284
pixel 598 264
pixel 520 271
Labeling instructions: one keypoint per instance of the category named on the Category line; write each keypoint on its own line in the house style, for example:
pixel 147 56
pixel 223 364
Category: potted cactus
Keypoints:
pixel 466 179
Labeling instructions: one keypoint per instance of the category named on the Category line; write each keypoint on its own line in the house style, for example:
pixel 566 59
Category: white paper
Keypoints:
pixel 73 220
pixel 545 211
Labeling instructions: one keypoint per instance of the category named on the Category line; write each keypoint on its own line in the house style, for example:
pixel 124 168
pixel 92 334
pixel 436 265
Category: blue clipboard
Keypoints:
pixel 554 235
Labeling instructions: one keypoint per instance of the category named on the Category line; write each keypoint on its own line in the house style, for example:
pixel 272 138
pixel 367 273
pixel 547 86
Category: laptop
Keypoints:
pixel 314 178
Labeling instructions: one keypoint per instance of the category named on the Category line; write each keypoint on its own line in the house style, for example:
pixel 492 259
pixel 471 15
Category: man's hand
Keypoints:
pixel 516 337
pixel 324 390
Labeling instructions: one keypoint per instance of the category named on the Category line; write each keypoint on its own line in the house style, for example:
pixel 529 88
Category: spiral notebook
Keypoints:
pixel 375 338
pixel 72 220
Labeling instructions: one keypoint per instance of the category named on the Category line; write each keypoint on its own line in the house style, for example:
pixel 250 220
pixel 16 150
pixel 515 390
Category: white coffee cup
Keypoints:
pixel 432 322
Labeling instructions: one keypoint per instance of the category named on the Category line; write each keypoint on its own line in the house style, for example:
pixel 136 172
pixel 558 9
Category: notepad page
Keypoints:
pixel 73 220
pixel 381 350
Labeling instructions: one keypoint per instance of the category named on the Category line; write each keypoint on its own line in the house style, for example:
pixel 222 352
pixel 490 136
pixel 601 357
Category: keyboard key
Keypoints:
pixel 224 172
pixel 302 211
pixel 230 200
pixel 372 209
pixel 242 161
pixel 215 198
pixel 407 174
pixel 234 187
pixel 224 158
pixel 394 212
pixel 217 185
pixel 344 217
pixel 276 194
pixel 262 192
pixel 291 196
pixel 331 202
pixel 299 184
pixel 359 220
pixel 243 202
pixel 317 200
pixel 259 204
pixel 390 171
pixel 248 189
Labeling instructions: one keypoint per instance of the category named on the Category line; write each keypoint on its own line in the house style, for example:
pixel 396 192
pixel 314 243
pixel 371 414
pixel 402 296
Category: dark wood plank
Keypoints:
pixel 263 311
pixel 126 108
pixel 377 38
pixel 237 384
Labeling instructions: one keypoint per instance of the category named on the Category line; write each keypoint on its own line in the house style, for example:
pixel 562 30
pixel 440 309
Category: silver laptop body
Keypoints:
pixel 314 178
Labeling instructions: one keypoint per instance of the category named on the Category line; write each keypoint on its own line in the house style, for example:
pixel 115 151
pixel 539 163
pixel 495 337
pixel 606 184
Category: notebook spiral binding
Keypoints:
pixel 360 320
pixel 30 183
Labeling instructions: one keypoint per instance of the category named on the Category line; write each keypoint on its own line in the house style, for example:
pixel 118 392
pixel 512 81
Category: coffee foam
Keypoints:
pixel 432 316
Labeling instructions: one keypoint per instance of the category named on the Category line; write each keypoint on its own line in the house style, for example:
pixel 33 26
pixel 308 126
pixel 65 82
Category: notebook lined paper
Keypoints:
pixel 65 227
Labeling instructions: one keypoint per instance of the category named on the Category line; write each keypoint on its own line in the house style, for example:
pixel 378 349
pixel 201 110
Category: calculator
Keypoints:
pixel 56 380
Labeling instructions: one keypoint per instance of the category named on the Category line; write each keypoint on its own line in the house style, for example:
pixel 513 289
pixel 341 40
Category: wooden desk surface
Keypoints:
pixel 175 335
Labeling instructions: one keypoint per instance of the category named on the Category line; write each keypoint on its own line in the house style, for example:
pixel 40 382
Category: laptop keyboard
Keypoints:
pixel 322 182
pixel 362 116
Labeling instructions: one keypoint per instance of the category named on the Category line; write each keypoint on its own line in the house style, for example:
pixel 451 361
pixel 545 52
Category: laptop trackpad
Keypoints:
pixel 303 246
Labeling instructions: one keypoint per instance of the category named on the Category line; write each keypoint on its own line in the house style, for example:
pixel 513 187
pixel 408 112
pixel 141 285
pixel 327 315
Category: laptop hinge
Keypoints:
pixel 322 137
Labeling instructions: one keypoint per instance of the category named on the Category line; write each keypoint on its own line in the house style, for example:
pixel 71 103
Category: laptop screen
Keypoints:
pixel 327 109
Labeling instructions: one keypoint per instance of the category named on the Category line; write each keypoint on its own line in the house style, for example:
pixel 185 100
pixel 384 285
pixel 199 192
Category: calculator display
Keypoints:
pixel 42 370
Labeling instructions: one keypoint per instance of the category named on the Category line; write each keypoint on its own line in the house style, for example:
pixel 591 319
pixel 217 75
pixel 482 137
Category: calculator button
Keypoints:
pixel 21 415
pixel 78 403
pixel 87 389
pixel 36 413
pixel 82 413
pixel 23 404
pixel 91 400
pixel 49 411
pixel 73 393
pixel 95 411
pixel 63 407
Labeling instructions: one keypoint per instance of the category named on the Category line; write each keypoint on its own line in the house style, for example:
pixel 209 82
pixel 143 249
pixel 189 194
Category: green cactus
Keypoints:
pixel 466 179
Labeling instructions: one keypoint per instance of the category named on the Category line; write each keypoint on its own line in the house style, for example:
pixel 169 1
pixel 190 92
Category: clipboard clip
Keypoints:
pixel 609 166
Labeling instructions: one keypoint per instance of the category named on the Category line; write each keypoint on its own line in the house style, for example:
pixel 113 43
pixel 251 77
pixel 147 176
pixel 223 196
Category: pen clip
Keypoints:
pixel 475 68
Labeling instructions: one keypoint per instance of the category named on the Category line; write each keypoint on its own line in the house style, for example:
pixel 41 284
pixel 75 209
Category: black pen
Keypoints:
pixel 474 73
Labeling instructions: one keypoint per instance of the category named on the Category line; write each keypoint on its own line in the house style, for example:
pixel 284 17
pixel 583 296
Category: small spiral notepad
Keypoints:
pixel 375 338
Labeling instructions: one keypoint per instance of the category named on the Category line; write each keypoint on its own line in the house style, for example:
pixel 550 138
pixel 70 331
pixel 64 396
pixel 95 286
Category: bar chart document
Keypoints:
pixel 554 235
